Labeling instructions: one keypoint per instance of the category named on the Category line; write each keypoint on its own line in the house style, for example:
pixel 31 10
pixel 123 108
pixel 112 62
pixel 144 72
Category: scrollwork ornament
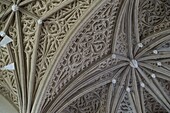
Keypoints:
pixel 153 16
pixel 90 44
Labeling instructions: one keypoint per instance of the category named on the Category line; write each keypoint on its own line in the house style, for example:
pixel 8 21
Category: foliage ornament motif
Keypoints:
pixel 153 16
pixel 114 60
pixel 32 56
pixel 145 71
pixel 90 44
pixel 90 102
pixel 8 87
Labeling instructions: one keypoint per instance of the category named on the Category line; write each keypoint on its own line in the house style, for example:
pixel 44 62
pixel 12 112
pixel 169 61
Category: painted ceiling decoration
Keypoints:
pixel 85 56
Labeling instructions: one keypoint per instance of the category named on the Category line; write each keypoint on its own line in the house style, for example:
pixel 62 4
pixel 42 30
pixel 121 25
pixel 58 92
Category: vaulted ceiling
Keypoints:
pixel 86 56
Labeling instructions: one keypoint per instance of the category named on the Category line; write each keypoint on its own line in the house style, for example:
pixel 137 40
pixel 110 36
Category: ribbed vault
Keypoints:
pixel 86 56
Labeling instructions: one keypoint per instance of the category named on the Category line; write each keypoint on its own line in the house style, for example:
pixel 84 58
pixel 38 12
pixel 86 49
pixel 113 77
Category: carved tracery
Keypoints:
pixel 86 56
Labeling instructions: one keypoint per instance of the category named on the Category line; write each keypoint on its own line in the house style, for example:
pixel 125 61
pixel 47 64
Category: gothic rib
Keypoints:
pixel 11 57
pixel 118 23
pixel 57 56
pixel 33 68
pixel 154 90
pixel 147 64
pixel 21 61
pixel 141 95
pixel 156 69
pixel 165 66
pixel 119 91
pixel 151 45
pixel 136 22
pixel 155 57
pixel 136 93
pixel 5 13
pixel 156 34
pixel 17 78
pixel 157 98
pixel 5 30
pixel 5 2
pixel 111 90
pixel 132 103
pixel 128 16
pixel 17 2
pixel 80 78
pixel 122 57
pixel 49 13
pixel 80 84
pixel 159 75
pixel 159 87
pixel 22 3
pixel 110 93
pixel 8 22
pixel 22 10
pixel 81 92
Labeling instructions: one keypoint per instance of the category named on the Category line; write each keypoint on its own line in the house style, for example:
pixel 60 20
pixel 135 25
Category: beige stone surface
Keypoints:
pixel 86 56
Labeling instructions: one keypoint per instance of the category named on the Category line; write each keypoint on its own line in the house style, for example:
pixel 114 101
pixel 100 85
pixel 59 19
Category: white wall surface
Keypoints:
pixel 5 106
